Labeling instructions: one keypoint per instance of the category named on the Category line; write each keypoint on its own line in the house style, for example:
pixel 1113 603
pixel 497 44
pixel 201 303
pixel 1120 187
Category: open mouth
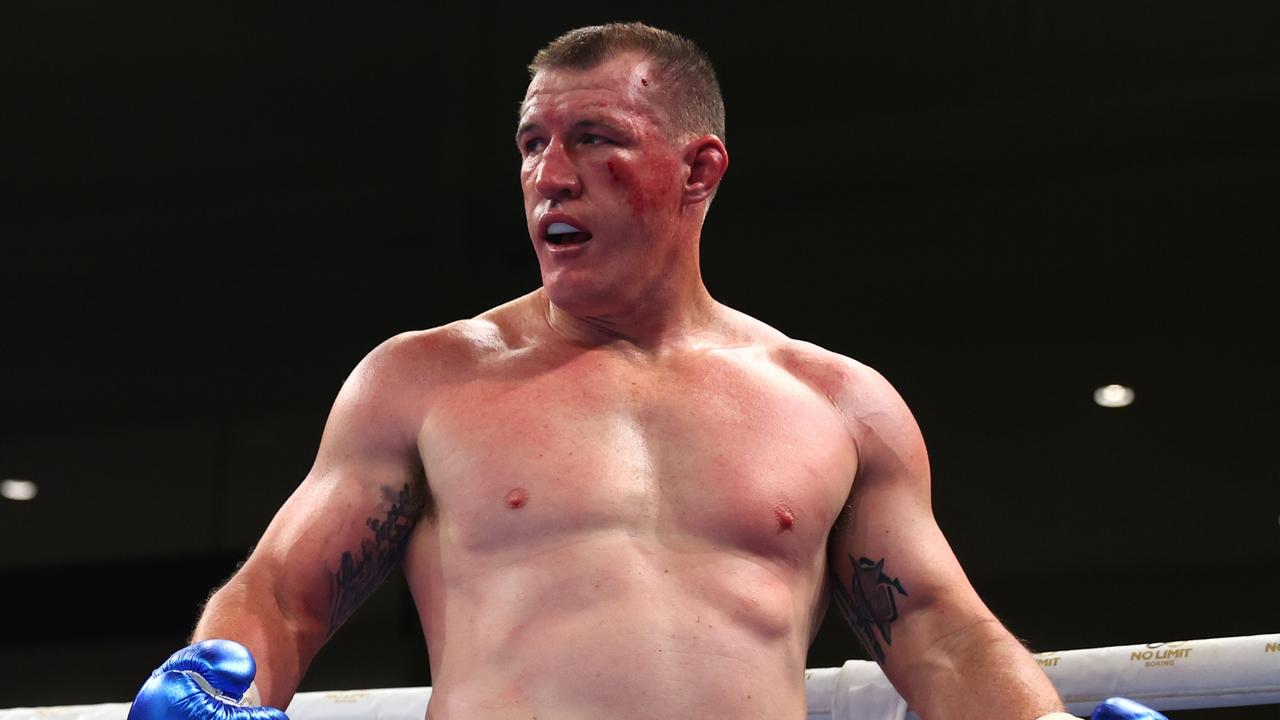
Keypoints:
pixel 565 234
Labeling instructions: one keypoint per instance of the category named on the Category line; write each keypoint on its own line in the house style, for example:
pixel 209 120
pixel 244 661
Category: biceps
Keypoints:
pixel 334 542
pixel 890 564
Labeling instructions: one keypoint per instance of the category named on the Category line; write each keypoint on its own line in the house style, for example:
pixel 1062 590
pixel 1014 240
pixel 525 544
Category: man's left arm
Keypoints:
pixel 898 584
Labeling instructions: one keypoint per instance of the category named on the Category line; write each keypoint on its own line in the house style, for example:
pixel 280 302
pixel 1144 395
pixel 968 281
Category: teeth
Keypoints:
pixel 559 228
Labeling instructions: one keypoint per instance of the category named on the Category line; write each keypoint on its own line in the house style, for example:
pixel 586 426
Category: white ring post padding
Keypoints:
pixel 857 691
pixel 1219 672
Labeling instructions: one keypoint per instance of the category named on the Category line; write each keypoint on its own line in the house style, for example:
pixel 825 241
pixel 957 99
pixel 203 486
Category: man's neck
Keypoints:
pixel 658 323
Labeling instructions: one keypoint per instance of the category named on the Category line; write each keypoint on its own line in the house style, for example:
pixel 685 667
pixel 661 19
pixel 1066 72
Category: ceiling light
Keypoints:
pixel 1113 396
pixel 17 489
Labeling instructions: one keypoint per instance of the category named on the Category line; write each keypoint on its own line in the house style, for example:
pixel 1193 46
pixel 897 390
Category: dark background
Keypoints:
pixel 213 211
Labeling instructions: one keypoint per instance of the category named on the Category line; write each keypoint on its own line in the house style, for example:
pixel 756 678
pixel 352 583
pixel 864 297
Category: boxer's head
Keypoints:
pixel 621 139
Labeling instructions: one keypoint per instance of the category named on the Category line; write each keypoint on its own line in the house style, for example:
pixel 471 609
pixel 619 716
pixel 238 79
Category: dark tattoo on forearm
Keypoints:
pixel 358 577
pixel 869 607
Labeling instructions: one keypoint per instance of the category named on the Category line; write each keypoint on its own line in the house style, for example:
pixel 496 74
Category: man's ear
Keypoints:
pixel 707 161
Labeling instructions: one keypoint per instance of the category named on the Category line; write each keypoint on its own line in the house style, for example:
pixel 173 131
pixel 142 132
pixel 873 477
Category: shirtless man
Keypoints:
pixel 615 497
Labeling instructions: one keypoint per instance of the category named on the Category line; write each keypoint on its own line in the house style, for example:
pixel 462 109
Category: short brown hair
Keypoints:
pixel 694 103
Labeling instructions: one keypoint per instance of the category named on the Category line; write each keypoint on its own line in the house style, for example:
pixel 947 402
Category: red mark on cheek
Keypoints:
pixel 644 82
pixel 622 177
pixel 786 518
pixel 517 498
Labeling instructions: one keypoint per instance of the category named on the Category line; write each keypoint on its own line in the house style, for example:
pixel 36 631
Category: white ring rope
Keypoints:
pixel 1216 672
pixel 1184 675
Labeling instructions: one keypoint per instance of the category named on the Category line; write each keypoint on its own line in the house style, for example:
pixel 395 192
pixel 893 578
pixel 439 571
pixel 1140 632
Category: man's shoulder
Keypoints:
pixel 826 370
pixel 460 346
pixel 447 348
pixel 831 374
pixel 875 415
pixel 856 389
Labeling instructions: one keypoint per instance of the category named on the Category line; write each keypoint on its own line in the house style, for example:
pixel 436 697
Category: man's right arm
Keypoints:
pixel 339 534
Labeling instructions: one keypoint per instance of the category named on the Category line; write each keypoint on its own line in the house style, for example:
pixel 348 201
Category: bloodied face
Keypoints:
pixel 603 182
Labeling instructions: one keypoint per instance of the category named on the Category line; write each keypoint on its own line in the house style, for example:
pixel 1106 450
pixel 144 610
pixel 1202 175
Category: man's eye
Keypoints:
pixel 589 139
pixel 533 145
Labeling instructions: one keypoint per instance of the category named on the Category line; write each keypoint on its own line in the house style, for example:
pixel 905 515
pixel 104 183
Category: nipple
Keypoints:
pixel 517 498
pixel 786 518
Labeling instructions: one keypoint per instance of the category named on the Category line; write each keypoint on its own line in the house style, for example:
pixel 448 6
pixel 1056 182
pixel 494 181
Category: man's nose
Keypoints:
pixel 557 178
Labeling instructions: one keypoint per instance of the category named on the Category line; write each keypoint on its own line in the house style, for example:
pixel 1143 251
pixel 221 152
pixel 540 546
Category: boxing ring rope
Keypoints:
pixel 1216 672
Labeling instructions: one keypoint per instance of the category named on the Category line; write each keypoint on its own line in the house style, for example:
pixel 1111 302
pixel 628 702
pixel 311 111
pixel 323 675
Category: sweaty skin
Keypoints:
pixel 615 497
pixel 619 535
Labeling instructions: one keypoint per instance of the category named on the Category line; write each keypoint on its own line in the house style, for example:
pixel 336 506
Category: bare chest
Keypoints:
pixel 716 451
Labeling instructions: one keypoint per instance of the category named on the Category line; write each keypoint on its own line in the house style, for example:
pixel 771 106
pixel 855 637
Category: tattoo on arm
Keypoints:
pixel 358 577
pixel 869 606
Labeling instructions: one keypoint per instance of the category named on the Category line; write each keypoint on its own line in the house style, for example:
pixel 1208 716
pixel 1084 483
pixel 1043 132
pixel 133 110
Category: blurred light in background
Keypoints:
pixel 1113 396
pixel 17 489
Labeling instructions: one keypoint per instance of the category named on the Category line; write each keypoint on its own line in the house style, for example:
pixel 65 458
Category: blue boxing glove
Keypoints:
pixel 203 681
pixel 1119 708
